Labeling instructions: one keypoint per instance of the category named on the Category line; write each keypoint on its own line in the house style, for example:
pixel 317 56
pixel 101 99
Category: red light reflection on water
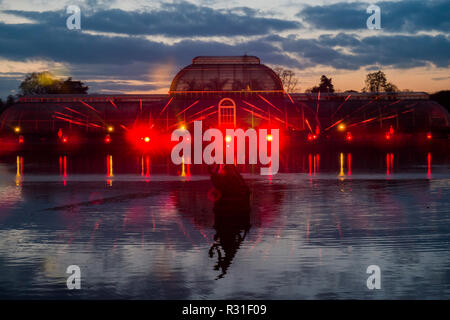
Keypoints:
pixel 349 164
pixel 63 168
pixel 389 163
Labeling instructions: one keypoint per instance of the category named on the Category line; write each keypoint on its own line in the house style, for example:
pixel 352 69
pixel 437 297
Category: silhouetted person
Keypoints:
pixel 231 227
pixel 231 214
pixel 229 182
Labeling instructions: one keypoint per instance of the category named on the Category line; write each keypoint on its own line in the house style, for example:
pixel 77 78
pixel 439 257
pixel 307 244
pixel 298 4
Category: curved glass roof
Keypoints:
pixel 230 74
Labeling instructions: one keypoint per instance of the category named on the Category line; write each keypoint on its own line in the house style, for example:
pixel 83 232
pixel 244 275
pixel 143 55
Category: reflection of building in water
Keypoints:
pixel 220 91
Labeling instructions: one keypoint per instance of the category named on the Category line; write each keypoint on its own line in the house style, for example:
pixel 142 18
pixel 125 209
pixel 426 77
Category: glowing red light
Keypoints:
pixel 312 137
pixel 349 136
pixel 21 139
pixel 388 136
pixel 108 139
pixel 429 136
pixel 64 139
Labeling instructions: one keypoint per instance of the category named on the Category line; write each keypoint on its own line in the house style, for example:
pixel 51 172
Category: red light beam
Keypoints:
pixel 165 107
pixel 187 108
pixel 87 105
pixel 114 105
pixel 269 103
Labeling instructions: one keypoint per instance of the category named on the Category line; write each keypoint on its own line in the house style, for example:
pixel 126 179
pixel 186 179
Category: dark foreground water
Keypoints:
pixel 147 230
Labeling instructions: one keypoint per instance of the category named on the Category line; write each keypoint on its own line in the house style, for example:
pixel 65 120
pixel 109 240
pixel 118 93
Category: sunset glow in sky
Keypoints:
pixel 138 46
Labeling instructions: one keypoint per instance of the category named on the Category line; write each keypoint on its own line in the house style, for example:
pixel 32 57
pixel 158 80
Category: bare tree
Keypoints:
pixel 288 79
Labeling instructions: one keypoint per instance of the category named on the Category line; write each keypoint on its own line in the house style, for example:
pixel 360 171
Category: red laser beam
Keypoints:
pixel 112 102
pixel 340 105
pixel 187 108
pixel 253 106
pixel 165 107
pixel 90 107
pixel 269 102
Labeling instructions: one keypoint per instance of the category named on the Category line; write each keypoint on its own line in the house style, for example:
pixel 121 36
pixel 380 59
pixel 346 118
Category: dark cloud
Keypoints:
pixel 346 51
pixel 180 19
pixel 134 57
pixel 126 58
pixel 440 78
pixel 42 41
pixel 397 16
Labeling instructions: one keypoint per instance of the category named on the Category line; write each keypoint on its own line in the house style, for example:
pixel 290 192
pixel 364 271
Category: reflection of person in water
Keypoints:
pixel 231 215
pixel 226 243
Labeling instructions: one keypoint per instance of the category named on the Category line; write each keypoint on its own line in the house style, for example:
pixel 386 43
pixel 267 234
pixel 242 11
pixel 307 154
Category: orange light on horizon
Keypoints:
pixel 17 129
pixel 110 128
pixel 341 127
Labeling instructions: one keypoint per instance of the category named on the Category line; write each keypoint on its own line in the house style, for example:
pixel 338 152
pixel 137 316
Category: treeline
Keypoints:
pixel 9 102
pixel 44 83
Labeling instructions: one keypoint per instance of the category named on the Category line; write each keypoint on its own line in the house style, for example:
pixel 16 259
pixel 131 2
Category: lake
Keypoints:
pixel 141 228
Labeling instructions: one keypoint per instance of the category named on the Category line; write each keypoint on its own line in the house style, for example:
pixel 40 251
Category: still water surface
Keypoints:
pixel 142 229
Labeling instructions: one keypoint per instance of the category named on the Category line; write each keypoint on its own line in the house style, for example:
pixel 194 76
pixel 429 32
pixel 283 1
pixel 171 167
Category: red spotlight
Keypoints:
pixel 64 139
pixel 349 136
pixel 391 130
pixel 429 136
pixel 107 138
pixel 388 136
pixel 20 139
pixel 312 137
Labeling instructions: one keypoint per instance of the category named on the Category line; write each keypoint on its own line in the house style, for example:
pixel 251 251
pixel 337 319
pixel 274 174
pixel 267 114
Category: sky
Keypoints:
pixel 138 46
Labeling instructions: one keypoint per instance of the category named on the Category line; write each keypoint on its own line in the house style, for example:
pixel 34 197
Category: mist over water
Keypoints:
pixel 142 228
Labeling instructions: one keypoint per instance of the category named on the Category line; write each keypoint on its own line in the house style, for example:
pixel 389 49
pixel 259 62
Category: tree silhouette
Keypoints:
pixel 46 83
pixel 288 79
pixel 325 85
pixel 376 82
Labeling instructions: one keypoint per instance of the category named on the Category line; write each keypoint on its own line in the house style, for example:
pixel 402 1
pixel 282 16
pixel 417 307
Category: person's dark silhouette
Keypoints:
pixel 231 215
